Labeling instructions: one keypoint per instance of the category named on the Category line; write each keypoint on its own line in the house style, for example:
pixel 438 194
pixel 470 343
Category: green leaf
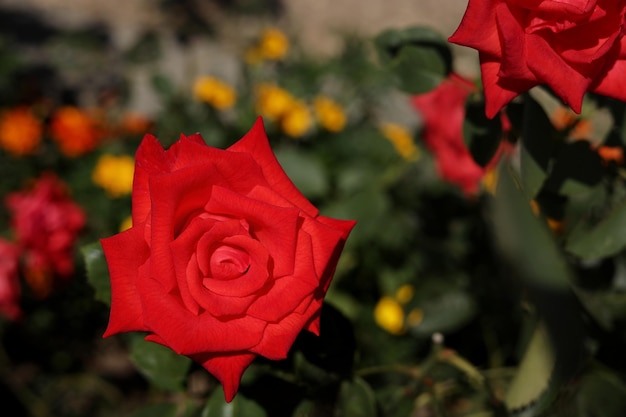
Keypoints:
pixel 538 147
pixel 305 171
pixel 419 57
pixel 445 312
pixel 601 240
pixel 525 239
pixel 601 394
pixel 356 399
pixel 240 406
pixel 162 366
pixel 97 271
pixel 419 70
pixel 391 41
pixel 533 375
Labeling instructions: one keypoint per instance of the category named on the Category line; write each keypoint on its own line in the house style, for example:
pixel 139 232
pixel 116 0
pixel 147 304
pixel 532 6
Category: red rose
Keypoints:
pixel 573 46
pixel 9 280
pixel 46 223
pixel 443 111
pixel 226 259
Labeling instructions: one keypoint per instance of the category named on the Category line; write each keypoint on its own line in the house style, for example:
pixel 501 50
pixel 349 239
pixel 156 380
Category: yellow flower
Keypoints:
pixel 20 131
pixel 126 224
pixel 401 140
pixel 415 317
pixel 405 293
pixel 273 44
pixel 490 180
pixel 253 56
pixel 215 92
pixel 389 315
pixel 297 120
pixel 114 174
pixel 272 101
pixel 330 114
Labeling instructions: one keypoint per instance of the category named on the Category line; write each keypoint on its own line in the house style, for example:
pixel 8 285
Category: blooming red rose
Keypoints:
pixel 226 259
pixel 443 111
pixel 573 46
pixel 46 222
pixel 9 281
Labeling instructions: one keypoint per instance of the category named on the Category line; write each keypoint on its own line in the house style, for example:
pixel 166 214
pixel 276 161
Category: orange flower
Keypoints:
pixel 20 131
pixel 135 124
pixel 74 130
pixel 611 153
pixel 564 118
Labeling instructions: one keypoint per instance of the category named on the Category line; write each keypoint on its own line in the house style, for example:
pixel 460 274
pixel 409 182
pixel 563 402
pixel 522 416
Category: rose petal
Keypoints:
pixel 278 337
pixel 126 254
pixel 215 304
pixel 228 369
pixel 255 143
pixel 499 92
pixel 186 333
pixel 475 30
pixel 288 292
pixel 275 227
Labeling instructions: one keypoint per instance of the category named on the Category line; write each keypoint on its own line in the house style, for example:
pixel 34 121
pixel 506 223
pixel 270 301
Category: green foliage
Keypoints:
pixel 164 368
pixel 419 57
pixel 97 271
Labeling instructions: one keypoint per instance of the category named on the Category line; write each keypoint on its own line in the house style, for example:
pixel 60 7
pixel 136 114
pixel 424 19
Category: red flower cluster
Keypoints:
pixel 226 259
pixel 443 112
pixel 46 223
pixel 572 46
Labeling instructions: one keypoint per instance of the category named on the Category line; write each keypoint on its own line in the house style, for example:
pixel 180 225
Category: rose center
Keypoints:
pixel 228 262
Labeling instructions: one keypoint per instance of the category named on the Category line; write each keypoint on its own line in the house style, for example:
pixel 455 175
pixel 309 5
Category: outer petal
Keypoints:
pixel 499 92
pixel 186 333
pixel 228 369
pixel 612 82
pixel 255 143
pixel 478 27
pixel 290 291
pixel 125 252
pixel 150 159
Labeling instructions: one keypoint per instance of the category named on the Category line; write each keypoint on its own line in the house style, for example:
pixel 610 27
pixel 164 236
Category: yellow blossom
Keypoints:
pixel 126 224
pixel 273 44
pixel 331 115
pixel 490 180
pixel 272 101
pixel 401 140
pixel 20 131
pixel 389 315
pixel 114 174
pixel 215 92
pixel 297 120
pixel 405 293
pixel 415 317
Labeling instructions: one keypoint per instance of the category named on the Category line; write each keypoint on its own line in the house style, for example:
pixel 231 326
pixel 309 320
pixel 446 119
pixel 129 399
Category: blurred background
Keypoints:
pixel 421 303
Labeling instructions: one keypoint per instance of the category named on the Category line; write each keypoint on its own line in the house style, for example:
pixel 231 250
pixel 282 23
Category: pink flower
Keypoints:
pixel 46 222
pixel 9 281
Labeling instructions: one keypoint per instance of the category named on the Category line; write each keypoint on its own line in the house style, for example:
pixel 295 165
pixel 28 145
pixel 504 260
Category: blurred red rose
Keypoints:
pixel 226 259
pixel 572 46
pixel 443 111
pixel 9 281
pixel 46 223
